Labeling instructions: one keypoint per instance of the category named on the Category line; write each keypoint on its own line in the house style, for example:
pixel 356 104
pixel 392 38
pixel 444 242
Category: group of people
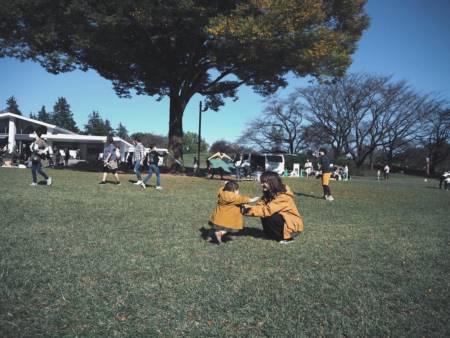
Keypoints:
pixel 111 158
pixel 337 172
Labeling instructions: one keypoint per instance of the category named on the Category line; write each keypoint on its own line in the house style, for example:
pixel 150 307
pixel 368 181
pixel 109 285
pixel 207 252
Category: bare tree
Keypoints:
pixel 435 135
pixel 359 113
pixel 278 129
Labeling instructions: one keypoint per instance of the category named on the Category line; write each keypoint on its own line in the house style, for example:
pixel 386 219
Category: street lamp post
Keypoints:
pixel 199 136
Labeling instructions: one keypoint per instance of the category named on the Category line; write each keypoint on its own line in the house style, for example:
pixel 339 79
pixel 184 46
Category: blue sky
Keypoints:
pixel 408 39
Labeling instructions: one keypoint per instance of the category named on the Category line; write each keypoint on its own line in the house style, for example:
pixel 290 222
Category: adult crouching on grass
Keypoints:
pixel 279 215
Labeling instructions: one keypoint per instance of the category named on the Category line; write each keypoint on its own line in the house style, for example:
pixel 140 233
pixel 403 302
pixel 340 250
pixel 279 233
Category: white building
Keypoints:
pixel 17 132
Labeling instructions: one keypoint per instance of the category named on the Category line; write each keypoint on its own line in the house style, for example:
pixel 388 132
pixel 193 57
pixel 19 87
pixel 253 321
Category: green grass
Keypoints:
pixel 79 259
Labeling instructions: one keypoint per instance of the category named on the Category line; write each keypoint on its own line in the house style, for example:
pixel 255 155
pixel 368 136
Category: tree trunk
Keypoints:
pixel 177 107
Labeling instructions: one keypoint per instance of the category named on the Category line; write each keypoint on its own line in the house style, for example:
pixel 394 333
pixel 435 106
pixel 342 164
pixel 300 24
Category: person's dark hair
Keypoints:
pixel 275 184
pixel 38 132
pixel 231 186
pixel 152 146
pixel 137 138
pixel 109 139
pixel 323 150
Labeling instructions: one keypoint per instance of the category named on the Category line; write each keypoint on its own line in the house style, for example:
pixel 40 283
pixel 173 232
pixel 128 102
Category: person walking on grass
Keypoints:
pixel 110 161
pixel 324 162
pixel 138 158
pixel 153 166
pixel 386 170
pixel 279 215
pixel 39 149
pixel 227 216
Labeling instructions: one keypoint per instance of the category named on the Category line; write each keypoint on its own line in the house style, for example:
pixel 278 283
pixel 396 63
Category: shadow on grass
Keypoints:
pixel 251 232
pixel 307 195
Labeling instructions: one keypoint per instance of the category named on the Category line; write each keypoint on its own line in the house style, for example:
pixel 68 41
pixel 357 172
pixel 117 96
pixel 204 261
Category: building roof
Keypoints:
pixel 77 137
pixel 4 115
pixel 61 133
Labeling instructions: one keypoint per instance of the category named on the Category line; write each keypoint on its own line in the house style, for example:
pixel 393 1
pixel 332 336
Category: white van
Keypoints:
pixel 263 162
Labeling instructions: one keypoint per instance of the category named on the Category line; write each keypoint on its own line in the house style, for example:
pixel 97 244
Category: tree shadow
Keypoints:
pixel 435 188
pixel 308 195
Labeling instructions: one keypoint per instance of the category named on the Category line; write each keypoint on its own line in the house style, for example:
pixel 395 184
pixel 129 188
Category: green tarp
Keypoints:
pixel 216 164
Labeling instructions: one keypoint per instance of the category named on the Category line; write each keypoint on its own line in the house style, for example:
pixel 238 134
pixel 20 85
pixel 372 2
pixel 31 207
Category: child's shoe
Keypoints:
pixel 218 235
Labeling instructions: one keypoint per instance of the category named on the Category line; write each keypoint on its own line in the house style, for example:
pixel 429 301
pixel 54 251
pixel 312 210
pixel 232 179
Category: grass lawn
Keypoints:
pixel 81 259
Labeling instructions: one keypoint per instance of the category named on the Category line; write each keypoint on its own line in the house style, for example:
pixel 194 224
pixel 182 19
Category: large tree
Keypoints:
pixel 97 126
pixel 190 143
pixel 44 116
pixel 12 106
pixel 179 48
pixel 360 113
pixel 122 131
pixel 436 133
pixel 278 129
pixel 62 115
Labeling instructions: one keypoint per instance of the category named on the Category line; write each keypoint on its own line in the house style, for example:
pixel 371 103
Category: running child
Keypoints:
pixel 227 216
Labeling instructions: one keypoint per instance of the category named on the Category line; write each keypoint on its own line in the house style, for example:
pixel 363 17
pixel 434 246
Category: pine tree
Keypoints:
pixel 96 125
pixel 122 131
pixel 62 116
pixel 44 116
pixel 108 128
pixel 12 106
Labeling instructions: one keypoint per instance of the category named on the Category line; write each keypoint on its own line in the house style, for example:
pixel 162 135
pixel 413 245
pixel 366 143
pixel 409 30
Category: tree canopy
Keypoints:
pixel 179 48
pixel 190 143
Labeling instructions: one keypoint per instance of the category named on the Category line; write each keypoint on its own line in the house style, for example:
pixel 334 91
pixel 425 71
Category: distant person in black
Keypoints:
pixel 66 157
pixel 324 162
pixel 153 166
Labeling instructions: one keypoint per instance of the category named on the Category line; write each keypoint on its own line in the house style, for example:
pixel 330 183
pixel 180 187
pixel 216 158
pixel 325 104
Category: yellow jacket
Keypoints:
pixel 283 204
pixel 227 212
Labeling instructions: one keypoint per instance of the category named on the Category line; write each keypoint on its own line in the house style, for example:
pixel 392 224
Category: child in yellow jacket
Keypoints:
pixel 227 216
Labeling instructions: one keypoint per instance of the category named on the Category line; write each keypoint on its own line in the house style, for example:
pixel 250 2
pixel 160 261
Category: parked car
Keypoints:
pixel 263 162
